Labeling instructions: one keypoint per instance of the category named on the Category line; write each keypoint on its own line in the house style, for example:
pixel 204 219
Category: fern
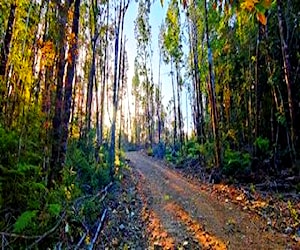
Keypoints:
pixel 24 221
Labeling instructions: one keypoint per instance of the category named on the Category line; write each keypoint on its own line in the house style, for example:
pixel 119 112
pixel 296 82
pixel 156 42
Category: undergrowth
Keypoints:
pixel 29 208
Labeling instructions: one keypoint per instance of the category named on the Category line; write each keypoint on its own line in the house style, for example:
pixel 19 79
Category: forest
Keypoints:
pixel 69 112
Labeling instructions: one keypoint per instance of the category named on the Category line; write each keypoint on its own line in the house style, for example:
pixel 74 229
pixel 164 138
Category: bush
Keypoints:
pixel 235 161
pixel 90 175
pixel 262 144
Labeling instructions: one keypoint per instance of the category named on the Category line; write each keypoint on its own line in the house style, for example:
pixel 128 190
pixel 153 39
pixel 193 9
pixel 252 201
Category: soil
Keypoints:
pixel 174 212
pixel 154 206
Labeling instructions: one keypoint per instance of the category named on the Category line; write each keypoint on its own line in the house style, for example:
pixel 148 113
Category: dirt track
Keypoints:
pixel 180 214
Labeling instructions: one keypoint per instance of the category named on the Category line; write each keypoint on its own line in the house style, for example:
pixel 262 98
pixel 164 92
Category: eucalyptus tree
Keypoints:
pixel 194 25
pixel 7 39
pixel 173 55
pixel 142 35
pixel 136 93
pixel 118 48
pixel 55 172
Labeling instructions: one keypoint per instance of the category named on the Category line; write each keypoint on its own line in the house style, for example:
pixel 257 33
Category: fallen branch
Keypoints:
pixel 37 237
pixel 83 236
pixel 104 190
pixel 80 241
pixel 13 235
pixel 52 230
pixel 91 246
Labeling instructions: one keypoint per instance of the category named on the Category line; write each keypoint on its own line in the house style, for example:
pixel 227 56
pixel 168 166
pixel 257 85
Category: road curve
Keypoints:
pixel 190 217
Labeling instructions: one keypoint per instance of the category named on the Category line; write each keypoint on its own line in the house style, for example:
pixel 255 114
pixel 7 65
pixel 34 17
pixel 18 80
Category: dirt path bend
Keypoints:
pixel 180 215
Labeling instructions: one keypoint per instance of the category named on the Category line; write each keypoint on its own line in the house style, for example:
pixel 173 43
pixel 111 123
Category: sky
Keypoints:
pixel 157 16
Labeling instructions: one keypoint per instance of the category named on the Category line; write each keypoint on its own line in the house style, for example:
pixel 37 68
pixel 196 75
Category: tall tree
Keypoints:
pixel 122 8
pixel 55 172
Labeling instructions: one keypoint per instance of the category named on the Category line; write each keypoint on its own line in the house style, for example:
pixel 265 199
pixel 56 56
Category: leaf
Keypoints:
pixel 249 4
pixel 162 3
pixel 24 221
pixel 261 18
pixel 266 3
pixel 54 209
pixel 167 197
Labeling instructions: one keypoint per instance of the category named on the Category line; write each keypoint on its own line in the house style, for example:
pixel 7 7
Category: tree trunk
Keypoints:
pixel 179 105
pixel 174 100
pixel 7 39
pixel 212 94
pixel 55 174
pixel 88 110
pixel 287 77
pixel 159 108
pixel 112 149
pixel 57 119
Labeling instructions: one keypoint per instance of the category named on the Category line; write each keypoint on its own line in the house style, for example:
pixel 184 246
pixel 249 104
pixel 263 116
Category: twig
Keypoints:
pixel 83 236
pixel 48 232
pixel 3 242
pixel 104 190
pixel 13 235
pixel 37 237
pixel 91 246
pixel 80 241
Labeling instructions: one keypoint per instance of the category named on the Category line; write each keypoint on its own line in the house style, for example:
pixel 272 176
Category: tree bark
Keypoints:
pixel 212 94
pixel 7 39
pixel 57 119
pixel 112 150
pixel 55 174
pixel 287 76
pixel 104 76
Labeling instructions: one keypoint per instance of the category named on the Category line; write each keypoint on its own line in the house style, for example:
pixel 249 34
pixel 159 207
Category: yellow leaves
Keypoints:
pixel 261 18
pixel 249 4
pixel 48 52
pixel 257 6
pixel 71 38
pixel 171 16
pixel 70 14
pixel 266 3
pixel 87 240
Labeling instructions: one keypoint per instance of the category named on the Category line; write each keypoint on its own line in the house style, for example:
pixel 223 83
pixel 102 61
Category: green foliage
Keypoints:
pixel 54 209
pixel 262 144
pixel 89 174
pixel 235 161
pixel 207 151
pixel 8 146
pixel 149 151
pixel 24 221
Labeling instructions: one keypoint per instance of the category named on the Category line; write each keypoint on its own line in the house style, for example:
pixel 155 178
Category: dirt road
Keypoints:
pixel 181 215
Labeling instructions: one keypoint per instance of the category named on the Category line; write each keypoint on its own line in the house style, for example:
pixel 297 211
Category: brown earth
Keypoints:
pixel 178 213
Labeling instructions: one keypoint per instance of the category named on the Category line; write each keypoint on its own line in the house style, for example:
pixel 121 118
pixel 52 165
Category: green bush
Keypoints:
pixel 235 161
pixel 207 151
pixel 90 175
pixel 263 144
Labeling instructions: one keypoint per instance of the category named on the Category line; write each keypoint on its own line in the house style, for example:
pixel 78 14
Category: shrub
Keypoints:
pixel 262 144
pixel 235 161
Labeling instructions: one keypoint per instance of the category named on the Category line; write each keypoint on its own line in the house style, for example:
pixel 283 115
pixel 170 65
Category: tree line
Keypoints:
pixel 239 62
pixel 63 75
